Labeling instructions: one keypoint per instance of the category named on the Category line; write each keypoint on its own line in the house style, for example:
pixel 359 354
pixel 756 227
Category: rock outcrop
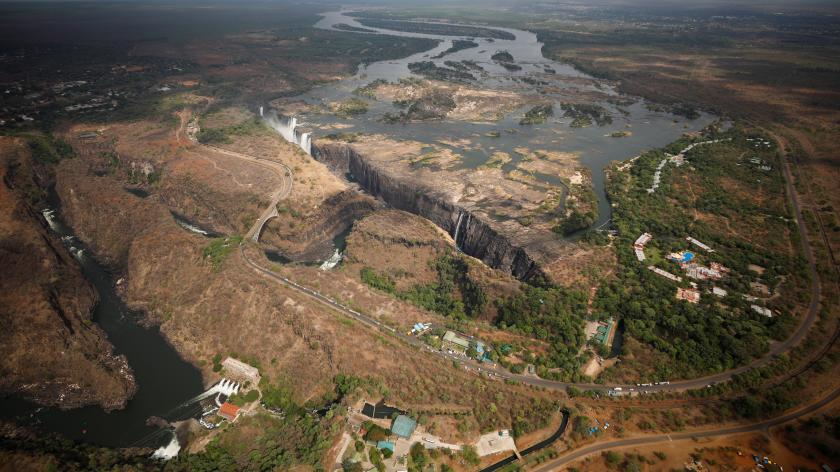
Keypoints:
pixel 472 234
pixel 52 353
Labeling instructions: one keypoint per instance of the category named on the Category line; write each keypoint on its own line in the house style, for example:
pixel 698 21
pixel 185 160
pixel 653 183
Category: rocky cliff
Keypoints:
pixel 472 233
pixel 52 353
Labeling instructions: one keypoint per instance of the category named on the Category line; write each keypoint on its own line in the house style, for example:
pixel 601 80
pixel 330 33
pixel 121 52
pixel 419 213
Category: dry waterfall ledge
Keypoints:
pixel 473 235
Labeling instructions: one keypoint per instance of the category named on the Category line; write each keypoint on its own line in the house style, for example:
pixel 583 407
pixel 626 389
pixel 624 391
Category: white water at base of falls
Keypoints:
pixel 333 261
pixel 169 451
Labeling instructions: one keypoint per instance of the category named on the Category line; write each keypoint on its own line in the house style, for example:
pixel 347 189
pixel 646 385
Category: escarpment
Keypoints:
pixel 472 234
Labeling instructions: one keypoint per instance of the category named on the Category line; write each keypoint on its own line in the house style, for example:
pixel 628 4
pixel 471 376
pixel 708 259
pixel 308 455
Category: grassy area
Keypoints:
pixel 219 249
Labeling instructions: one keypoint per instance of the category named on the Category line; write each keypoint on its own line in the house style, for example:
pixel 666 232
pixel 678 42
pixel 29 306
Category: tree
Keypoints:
pixel 470 455
pixel 419 456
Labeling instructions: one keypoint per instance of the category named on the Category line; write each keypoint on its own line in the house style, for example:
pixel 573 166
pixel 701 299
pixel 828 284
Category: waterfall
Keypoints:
pixel 332 261
pixel 48 215
pixel 458 227
pixel 224 386
pixel 169 451
pixel 261 111
pixel 287 127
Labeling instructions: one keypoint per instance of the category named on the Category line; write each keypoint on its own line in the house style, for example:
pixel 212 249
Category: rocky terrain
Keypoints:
pixel 206 309
pixel 52 351
pixel 504 218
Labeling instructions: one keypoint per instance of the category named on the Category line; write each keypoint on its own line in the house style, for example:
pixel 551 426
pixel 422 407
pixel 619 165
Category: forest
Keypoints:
pixel 718 183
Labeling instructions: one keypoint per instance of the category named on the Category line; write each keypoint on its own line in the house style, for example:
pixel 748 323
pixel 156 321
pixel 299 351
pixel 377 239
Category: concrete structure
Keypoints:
pixel 455 342
pixel 495 442
pixel 403 426
pixel 241 371
pixel 385 445
pixel 699 244
pixel 688 294
pixel 718 292
pixel 665 273
pixel 762 310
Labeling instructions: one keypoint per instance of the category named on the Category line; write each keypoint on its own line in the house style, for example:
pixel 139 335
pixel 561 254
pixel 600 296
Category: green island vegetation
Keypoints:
pixel 369 90
pixel 434 104
pixel 430 70
pixel 219 249
pixel 502 56
pixel 728 182
pixel 620 134
pixel 457 45
pixel 351 107
pixel 454 294
pixel 584 114
pixel 538 114
pixel 432 28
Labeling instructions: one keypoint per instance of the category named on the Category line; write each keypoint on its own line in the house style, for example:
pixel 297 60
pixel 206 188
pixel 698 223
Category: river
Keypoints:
pixel 164 379
pixel 559 83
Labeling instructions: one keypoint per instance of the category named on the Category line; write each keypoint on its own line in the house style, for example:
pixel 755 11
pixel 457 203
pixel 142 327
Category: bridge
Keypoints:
pixel 281 170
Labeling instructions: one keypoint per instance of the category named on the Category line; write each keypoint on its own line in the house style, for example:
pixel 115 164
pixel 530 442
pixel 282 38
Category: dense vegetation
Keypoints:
pixel 717 333
pixel 457 45
pixel 552 314
pixel 584 114
pixel 219 249
pixel 222 135
pixel 537 115
pixel 454 293
pixel 430 70
pixel 502 56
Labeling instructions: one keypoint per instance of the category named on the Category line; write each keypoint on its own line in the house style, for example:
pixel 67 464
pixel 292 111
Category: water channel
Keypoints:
pixel 556 82
pixel 166 381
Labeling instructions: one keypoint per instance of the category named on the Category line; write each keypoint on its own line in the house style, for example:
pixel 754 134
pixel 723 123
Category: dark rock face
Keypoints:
pixel 473 235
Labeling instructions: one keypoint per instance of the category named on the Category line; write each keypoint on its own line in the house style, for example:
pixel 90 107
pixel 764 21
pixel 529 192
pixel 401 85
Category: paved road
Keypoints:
pixel 664 438
pixel 281 170
pixel 776 349
pixel 285 189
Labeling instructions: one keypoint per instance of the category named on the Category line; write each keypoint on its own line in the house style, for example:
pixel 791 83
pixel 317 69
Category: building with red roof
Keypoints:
pixel 229 411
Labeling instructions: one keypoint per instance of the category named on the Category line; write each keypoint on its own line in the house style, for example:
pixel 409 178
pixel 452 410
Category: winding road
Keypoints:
pixel 776 349
pixel 664 438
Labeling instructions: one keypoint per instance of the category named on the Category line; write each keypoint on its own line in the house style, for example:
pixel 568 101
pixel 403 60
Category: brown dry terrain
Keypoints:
pixel 518 206
pixel 52 352
pixel 205 310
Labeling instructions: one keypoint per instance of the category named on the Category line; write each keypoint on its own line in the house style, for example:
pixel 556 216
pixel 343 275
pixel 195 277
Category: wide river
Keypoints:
pixel 166 381
pixel 553 81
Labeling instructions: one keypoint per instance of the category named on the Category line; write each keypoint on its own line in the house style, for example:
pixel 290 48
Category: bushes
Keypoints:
pixel 538 114
pixel 437 296
pixel 48 149
pixel 375 432
pixel 213 136
pixel 217 251
pixel 378 281
pixel 470 455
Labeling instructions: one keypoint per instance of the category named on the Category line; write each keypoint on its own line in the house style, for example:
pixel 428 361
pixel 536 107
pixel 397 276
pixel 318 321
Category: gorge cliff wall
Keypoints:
pixel 472 234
